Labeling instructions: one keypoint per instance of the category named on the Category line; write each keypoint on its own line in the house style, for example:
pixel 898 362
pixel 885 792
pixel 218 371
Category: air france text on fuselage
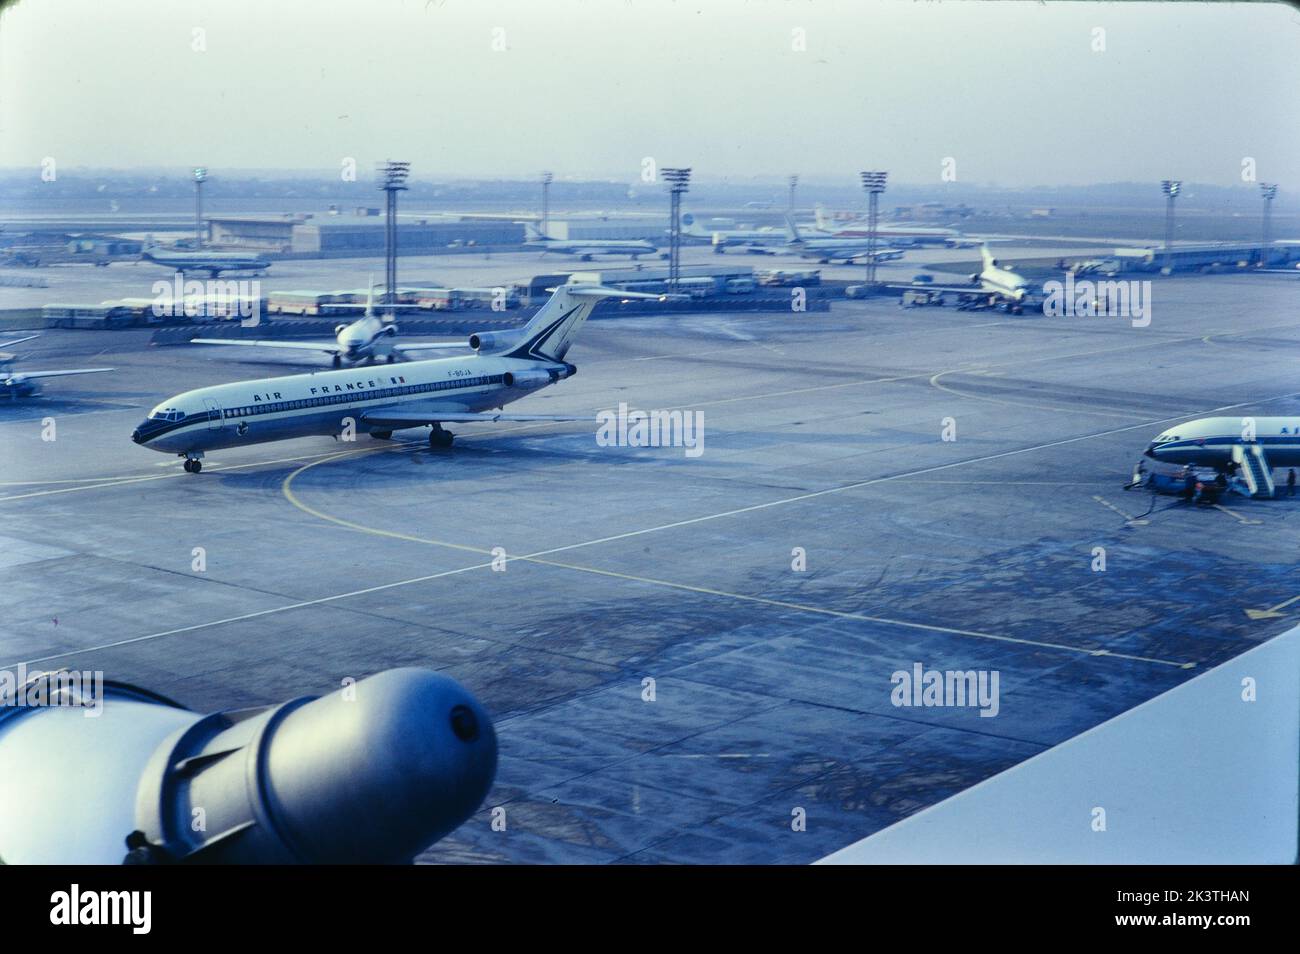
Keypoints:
pixel 318 390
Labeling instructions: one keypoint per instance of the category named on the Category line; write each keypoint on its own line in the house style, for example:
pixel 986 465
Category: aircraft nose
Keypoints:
pixel 142 432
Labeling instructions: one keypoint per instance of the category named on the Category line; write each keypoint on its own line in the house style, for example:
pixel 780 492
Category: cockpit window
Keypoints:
pixel 166 414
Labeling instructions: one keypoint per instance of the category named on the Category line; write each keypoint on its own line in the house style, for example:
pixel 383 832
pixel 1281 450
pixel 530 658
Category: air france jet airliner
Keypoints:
pixel 367 339
pixel 1249 447
pixel 505 366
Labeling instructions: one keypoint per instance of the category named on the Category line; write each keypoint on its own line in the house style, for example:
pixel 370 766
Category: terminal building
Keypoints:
pixel 1183 258
pixel 649 228
pixel 360 234
pixel 252 233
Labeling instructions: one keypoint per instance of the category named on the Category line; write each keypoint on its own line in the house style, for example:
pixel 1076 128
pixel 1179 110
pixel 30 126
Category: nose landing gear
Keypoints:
pixel 193 464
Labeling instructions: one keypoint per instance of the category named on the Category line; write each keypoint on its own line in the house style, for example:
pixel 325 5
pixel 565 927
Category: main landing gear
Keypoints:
pixel 193 465
pixel 439 438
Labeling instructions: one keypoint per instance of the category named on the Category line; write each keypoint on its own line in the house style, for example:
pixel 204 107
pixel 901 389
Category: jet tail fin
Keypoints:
pixel 370 298
pixel 691 226
pixel 791 229
pixel 989 260
pixel 550 333
pixel 535 234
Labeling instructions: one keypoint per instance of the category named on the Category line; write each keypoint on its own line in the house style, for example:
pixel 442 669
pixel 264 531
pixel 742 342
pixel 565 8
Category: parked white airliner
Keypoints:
pixel 826 250
pixel 994 285
pixel 723 239
pixel 505 366
pixel 893 233
pixel 214 263
pixel 368 339
pixel 586 249
pixel 1249 447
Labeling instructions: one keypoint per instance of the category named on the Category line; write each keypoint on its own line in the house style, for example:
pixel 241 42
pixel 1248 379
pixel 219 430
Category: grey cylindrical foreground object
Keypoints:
pixel 373 773
pixel 69 774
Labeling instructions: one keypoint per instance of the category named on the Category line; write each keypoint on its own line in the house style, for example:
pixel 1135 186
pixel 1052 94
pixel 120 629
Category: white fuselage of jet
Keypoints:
pixel 585 248
pixel 1208 441
pixel 590 247
pixel 829 249
pixel 322 403
pixel 214 263
pixel 891 233
pixel 1003 281
pixel 899 234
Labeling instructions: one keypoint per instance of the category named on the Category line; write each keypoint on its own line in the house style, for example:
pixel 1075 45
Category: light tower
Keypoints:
pixel 1269 192
pixel 394 181
pixel 1171 188
pixel 679 181
pixel 874 184
pixel 200 177
pixel 794 181
pixel 547 179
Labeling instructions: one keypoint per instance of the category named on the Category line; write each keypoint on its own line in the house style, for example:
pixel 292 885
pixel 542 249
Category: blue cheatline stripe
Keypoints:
pixel 1283 440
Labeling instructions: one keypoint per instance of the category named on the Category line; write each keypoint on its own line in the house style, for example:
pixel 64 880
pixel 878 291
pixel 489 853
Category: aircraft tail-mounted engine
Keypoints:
pixel 490 342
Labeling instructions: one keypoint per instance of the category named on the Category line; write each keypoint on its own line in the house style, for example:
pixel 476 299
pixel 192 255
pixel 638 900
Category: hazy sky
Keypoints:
pixel 1014 92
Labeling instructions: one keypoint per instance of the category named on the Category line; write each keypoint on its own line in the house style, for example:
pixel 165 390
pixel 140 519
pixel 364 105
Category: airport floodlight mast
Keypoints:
pixel 547 179
pixel 200 177
pixel 1269 192
pixel 679 181
pixel 1171 188
pixel 874 184
pixel 794 182
pixel 394 181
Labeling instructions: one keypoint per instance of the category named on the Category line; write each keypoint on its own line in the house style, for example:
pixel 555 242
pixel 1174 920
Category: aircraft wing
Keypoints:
pixel 415 415
pixel 10 344
pixel 579 290
pixel 328 347
pixel 28 375
pixel 427 345
pixel 943 289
